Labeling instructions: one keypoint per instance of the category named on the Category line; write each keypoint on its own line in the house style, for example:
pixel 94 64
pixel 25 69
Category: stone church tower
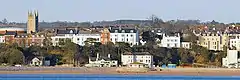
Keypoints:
pixel 32 24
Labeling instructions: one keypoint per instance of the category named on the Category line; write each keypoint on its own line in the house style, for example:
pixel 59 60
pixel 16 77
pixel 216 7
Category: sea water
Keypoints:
pixel 109 77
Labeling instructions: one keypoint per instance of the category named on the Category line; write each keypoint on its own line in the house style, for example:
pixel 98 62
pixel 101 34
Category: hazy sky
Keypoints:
pixel 98 10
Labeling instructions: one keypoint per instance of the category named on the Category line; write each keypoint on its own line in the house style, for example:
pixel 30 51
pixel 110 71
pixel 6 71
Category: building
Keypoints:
pixel 29 40
pixel 82 37
pixel 105 36
pixel 137 57
pixel 32 24
pixel 170 40
pixel 232 60
pixel 130 36
pixel 5 29
pixel 2 39
pixel 9 37
pixel 186 45
pixel 78 37
pixel 100 61
pixel 36 61
pixel 213 41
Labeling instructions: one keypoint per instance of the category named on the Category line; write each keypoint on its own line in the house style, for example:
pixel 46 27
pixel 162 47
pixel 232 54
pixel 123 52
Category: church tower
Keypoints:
pixel 32 24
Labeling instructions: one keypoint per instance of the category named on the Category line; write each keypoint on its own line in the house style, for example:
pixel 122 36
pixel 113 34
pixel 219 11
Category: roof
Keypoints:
pixel 10 33
pixel 119 30
pixel 137 53
pixel 12 29
pixel 68 31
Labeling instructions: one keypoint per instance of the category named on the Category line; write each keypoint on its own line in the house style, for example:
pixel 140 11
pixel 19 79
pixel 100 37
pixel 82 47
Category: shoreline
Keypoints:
pixel 112 71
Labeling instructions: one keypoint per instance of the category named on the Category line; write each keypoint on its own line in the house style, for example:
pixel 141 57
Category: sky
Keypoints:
pixel 98 10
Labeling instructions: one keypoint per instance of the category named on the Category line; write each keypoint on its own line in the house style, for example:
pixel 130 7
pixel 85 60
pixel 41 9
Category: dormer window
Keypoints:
pixel 71 32
pixel 131 31
pixel 123 31
pixel 116 31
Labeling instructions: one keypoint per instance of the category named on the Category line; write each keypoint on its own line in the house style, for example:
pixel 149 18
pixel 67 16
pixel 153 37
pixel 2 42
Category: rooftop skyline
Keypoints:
pixel 98 10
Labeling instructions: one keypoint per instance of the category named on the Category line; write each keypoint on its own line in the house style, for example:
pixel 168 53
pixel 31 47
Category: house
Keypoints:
pixel 77 37
pixel 232 60
pixel 41 61
pixel 137 57
pixel 36 61
pixel 130 36
pixel 234 42
pixel 102 62
pixel 213 41
pixel 170 40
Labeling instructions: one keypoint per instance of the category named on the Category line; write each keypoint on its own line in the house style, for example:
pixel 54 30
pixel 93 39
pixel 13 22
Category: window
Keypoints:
pixel 111 39
pixel 175 40
pixel 56 39
pixel 168 45
pixel 131 35
pixel 131 31
pixel 141 60
pixel 127 39
pixel 175 45
pixel 116 31
pixel 123 31
pixel 115 35
pixel 78 39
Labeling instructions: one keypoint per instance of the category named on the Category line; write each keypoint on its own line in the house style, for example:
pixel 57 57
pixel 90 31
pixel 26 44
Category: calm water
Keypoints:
pixel 109 77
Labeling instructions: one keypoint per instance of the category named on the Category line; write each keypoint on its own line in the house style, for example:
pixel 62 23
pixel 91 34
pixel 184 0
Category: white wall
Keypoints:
pixel 170 41
pixel 232 56
pixel 235 42
pixel 2 39
pixel 76 38
pixel 131 38
pixel 145 59
pixel 81 38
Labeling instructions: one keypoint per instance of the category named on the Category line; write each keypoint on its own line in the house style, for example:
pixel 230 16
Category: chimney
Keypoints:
pixel 97 56
pixel 109 56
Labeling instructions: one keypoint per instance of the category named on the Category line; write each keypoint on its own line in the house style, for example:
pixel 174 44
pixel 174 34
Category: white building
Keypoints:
pixel 139 57
pixel 186 45
pixel 234 42
pixel 102 62
pixel 76 37
pixel 36 61
pixel 232 60
pixel 170 41
pixel 130 36
pixel 2 39
pixel 82 37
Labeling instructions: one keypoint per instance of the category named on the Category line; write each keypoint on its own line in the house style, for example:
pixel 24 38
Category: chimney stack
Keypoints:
pixel 109 56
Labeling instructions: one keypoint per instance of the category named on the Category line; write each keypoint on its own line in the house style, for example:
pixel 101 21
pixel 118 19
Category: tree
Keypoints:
pixel 70 49
pixel 15 56
pixel 4 21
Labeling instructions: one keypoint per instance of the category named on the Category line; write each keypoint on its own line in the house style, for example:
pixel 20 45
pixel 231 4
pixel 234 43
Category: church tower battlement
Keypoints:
pixel 32 23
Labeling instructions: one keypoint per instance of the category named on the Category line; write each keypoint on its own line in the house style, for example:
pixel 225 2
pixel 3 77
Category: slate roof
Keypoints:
pixel 137 53
pixel 122 30
pixel 10 33
pixel 68 31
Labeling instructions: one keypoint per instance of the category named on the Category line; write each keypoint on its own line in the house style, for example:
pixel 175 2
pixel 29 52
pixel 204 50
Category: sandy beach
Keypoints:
pixel 84 70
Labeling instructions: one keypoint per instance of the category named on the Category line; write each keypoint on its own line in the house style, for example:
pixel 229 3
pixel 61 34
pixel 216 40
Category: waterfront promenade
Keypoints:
pixel 96 70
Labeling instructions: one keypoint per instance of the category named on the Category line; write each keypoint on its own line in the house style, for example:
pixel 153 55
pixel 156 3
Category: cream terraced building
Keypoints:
pixel 214 41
